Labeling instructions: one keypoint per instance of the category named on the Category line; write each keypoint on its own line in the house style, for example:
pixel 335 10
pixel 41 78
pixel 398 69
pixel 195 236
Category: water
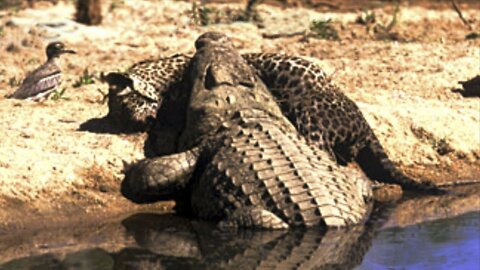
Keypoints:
pixel 442 244
pixel 155 241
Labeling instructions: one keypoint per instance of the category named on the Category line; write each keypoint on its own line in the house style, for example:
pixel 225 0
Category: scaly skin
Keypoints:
pixel 323 114
pixel 253 169
pixel 269 167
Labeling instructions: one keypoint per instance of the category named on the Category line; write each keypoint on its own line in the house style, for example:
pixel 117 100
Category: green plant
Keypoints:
pixel 393 22
pixel 250 13
pixel 115 4
pixel 57 95
pixel 33 61
pixel 472 35
pixel 204 15
pixel 10 4
pixel 441 146
pixel 323 29
pixel 85 79
pixel 13 82
pixel 201 14
pixel 367 18
pixel 384 32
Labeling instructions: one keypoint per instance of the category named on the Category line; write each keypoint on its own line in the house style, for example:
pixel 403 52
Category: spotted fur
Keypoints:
pixel 314 104
pixel 135 96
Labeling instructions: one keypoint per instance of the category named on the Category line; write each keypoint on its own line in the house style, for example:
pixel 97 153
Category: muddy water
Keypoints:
pixel 422 233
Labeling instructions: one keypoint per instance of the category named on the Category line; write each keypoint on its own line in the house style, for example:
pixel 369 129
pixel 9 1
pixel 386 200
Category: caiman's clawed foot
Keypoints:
pixel 156 178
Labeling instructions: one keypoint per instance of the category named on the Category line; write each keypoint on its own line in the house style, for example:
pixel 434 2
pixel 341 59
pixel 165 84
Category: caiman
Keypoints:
pixel 240 160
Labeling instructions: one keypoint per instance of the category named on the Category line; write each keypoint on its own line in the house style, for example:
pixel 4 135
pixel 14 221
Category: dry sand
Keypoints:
pixel 50 171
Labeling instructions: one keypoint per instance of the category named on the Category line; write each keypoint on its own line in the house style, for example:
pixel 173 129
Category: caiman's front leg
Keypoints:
pixel 159 177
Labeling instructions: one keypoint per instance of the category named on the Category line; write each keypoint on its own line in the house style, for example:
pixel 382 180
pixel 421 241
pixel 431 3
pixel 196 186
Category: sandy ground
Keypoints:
pixel 51 171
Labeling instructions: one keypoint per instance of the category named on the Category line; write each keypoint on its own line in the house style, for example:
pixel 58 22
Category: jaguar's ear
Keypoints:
pixel 120 82
pixel 126 166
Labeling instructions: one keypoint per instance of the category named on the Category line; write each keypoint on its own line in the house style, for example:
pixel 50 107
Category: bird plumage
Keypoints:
pixel 42 81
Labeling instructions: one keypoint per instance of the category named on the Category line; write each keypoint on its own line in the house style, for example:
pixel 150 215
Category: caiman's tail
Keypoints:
pixel 377 166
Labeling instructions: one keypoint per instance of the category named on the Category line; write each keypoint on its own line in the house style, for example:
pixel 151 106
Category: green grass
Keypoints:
pixel 472 35
pixel 383 32
pixel 14 82
pixel 367 18
pixel 323 29
pixel 201 14
pixel 116 4
pixel 33 61
pixel 58 94
pixel 5 4
pixel 85 79
pixel 441 146
pixel 205 15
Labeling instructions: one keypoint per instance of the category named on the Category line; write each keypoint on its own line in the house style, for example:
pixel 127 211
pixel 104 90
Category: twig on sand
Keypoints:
pixel 459 12
pixel 282 35
pixel 325 4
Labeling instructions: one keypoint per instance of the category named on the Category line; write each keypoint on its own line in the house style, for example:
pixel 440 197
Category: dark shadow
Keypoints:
pixel 111 125
pixel 471 88
pixel 101 125
pixel 466 94
pixel 105 125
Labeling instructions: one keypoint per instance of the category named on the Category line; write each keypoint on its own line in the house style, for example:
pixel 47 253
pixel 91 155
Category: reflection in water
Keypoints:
pixel 442 244
pixel 172 242
pixel 175 243
pixel 86 259
pixel 151 241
